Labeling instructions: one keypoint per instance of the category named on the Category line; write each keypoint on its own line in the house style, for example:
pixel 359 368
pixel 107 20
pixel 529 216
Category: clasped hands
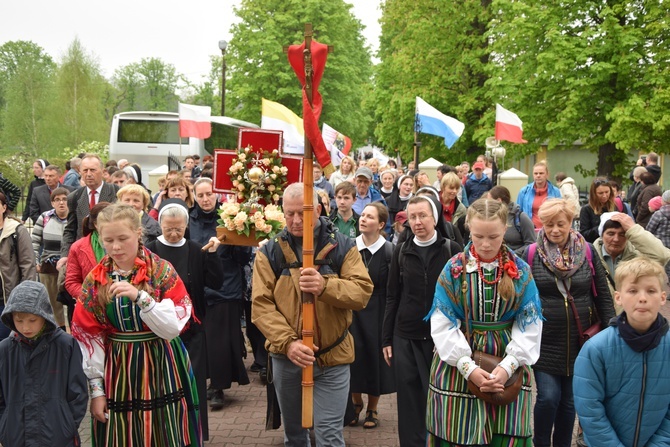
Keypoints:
pixel 124 288
pixel 490 382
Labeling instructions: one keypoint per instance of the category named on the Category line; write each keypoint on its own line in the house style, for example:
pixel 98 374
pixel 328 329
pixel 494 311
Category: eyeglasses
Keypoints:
pixel 174 230
pixel 600 182
pixel 59 200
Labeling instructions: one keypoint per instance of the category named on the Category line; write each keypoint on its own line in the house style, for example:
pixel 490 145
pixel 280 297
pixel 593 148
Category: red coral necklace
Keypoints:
pixel 481 272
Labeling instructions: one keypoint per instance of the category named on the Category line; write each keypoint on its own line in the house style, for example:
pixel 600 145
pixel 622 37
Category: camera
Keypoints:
pixel 644 160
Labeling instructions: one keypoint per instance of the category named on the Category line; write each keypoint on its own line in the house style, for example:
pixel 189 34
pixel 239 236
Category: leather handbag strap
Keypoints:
pixel 571 300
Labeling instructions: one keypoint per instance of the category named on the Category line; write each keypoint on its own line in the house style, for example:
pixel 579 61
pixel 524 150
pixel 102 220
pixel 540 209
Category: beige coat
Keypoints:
pixel 277 307
pixel 639 242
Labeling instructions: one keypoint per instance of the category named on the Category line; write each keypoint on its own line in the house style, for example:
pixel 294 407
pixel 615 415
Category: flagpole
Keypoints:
pixel 308 245
pixel 417 143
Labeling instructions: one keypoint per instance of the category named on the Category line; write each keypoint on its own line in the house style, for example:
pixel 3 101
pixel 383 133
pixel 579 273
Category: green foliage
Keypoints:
pixel 25 94
pixel 436 50
pixel 150 84
pixel 79 98
pixel 89 147
pixel 596 72
pixel 259 68
pixel 19 168
pixel 159 82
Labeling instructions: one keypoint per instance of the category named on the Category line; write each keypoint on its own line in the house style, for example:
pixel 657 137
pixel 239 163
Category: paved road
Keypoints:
pixel 242 420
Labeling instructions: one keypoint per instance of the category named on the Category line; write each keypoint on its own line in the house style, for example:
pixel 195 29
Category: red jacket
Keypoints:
pixel 80 262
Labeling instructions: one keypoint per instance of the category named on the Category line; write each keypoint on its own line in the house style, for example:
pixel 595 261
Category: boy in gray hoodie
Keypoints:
pixel 43 389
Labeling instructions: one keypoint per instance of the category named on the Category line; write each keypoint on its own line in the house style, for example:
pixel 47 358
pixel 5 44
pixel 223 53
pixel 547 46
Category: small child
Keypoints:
pixel 43 389
pixel 621 387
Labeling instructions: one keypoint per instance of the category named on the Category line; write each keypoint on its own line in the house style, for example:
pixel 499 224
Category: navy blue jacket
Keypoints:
pixel 44 392
pixel 202 226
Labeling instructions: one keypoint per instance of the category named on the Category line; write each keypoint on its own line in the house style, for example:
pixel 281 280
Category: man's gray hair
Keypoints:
pixel 295 190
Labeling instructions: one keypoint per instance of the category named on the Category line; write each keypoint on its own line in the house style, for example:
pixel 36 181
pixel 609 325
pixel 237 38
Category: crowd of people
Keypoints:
pixel 452 295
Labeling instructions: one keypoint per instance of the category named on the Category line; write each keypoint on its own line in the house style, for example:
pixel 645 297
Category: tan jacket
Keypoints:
pixel 13 271
pixel 277 306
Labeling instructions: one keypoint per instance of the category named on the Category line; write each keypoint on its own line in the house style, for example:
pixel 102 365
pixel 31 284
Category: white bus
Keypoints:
pixel 150 138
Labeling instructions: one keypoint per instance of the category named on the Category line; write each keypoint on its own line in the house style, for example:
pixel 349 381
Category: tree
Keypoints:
pixel 208 92
pixel 259 68
pixel 25 87
pixel 436 50
pixel 80 97
pixel 593 72
pixel 158 84
pixel 126 84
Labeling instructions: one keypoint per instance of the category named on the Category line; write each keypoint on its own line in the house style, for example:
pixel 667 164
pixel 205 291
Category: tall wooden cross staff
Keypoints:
pixel 308 61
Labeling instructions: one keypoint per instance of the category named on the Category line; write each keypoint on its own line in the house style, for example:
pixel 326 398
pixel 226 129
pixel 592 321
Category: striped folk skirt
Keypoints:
pixel 455 416
pixel 151 394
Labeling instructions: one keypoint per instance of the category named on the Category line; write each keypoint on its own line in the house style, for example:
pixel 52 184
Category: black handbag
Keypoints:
pixel 48 266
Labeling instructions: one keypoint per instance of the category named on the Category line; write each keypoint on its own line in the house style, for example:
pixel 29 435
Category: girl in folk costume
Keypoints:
pixel 128 317
pixel 499 307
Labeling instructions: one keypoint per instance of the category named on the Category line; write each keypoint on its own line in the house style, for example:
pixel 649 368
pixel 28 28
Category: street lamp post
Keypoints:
pixel 222 46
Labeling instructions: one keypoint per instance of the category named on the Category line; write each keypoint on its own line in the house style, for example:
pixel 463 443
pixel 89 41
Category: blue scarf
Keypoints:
pixel 641 342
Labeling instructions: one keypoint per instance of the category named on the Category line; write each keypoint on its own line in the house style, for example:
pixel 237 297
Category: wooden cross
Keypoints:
pixel 308 239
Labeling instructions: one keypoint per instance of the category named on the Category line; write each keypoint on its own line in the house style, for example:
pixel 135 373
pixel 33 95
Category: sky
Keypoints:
pixel 120 32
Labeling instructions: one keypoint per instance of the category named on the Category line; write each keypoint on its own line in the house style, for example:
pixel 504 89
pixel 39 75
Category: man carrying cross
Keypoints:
pixel 341 284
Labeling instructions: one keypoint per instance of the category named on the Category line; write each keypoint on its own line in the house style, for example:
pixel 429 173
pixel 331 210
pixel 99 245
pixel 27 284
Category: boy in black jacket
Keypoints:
pixel 43 389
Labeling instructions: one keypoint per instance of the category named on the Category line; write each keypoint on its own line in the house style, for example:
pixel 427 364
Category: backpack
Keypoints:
pixel 532 248
pixel 517 220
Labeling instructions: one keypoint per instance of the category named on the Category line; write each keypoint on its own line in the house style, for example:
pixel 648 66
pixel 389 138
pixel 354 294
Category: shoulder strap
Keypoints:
pixel 464 292
pixel 15 238
pixel 388 251
pixel 532 248
pixel 517 220
pixel 589 257
pixel 400 259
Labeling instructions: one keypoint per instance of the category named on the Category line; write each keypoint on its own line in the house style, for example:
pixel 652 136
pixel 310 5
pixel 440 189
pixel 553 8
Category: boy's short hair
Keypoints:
pixel 346 188
pixel 637 268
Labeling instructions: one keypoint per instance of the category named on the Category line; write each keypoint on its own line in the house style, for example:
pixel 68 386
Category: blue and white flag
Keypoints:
pixel 432 121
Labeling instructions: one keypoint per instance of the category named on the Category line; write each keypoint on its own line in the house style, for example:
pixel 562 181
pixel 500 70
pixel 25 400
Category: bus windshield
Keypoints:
pixel 149 131
pixel 223 137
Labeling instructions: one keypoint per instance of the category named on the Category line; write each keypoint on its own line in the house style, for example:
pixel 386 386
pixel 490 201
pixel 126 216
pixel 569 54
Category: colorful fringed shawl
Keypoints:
pixel 149 384
pixel 454 415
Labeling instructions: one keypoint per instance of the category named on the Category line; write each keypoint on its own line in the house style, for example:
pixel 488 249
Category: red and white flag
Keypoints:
pixel 195 121
pixel 508 126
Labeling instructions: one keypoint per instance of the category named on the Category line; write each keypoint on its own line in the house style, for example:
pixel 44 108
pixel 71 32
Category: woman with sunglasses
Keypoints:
pixel 601 200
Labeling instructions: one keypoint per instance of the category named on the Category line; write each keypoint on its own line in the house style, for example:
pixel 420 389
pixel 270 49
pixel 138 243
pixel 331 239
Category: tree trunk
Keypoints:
pixel 608 159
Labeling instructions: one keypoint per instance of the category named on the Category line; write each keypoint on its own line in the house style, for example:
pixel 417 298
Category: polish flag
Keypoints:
pixel 508 126
pixel 195 121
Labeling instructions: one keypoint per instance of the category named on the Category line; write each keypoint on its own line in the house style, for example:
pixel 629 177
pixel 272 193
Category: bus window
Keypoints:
pixel 149 131
pixel 223 137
